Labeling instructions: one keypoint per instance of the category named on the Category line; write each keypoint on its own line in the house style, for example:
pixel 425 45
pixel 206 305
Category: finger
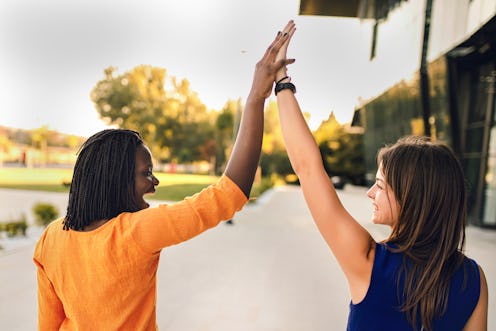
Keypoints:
pixel 287 34
pixel 283 62
pixel 288 26
pixel 269 49
pixel 275 47
pixel 279 41
pixel 289 29
pixel 291 32
pixel 283 50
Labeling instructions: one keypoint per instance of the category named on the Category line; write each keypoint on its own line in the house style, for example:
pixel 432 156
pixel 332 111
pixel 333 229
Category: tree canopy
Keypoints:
pixel 178 127
pixel 170 117
pixel 342 150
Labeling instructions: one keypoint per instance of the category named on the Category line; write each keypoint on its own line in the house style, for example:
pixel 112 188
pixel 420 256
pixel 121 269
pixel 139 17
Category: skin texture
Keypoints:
pixel 336 225
pixel 386 207
pixel 245 156
pixel 478 320
pixel 144 180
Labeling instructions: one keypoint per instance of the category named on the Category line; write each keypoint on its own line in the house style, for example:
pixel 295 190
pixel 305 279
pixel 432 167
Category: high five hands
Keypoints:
pixel 289 30
pixel 273 62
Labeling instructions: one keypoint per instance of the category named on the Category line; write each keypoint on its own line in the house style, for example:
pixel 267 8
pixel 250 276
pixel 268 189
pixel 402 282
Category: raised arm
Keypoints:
pixel 478 319
pixel 245 156
pixel 349 241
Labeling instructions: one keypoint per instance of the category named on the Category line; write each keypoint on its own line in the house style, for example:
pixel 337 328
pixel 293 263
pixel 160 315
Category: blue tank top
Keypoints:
pixel 380 309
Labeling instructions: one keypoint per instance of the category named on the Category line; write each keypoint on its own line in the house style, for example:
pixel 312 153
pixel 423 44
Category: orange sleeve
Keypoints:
pixel 165 225
pixel 50 310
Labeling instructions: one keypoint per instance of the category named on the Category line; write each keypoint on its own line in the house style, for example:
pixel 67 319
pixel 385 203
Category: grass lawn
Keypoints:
pixel 173 187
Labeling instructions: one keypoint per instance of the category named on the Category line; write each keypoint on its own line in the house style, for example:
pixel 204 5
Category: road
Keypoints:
pixel 269 271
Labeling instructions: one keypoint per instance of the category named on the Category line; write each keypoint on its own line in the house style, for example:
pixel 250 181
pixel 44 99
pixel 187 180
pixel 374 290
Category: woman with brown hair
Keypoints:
pixel 418 278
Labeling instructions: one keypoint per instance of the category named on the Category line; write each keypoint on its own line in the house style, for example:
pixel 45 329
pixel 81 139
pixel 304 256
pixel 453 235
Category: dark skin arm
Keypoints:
pixel 245 156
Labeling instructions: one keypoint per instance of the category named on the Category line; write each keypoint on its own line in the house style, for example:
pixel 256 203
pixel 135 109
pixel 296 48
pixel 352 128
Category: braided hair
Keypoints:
pixel 103 181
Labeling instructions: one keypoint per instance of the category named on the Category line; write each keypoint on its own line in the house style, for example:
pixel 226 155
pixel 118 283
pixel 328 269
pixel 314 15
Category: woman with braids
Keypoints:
pixel 97 266
pixel 418 278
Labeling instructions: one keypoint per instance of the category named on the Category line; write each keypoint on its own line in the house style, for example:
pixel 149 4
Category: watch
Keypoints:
pixel 282 86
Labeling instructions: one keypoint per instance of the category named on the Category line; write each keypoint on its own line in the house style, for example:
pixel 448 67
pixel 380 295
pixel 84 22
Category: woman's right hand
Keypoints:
pixel 245 155
pixel 271 63
pixel 281 55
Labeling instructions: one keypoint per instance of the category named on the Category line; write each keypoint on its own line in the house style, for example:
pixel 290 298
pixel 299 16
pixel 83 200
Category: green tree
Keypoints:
pixel 45 213
pixel 5 145
pixel 173 122
pixel 341 149
pixel 224 133
pixel 40 138
pixel 193 134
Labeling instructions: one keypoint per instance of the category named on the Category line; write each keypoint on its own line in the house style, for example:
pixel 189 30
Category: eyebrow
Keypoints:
pixel 379 180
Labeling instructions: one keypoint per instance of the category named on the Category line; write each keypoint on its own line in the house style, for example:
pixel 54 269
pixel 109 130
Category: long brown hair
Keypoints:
pixel 428 183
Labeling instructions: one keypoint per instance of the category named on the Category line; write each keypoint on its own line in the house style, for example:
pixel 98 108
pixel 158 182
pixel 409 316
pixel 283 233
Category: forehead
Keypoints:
pixel 143 156
pixel 380 174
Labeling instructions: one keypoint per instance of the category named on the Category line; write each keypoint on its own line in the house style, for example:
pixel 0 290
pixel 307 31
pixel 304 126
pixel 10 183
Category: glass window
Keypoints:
pixel 472 169
pixel 474 138
pixel 489 217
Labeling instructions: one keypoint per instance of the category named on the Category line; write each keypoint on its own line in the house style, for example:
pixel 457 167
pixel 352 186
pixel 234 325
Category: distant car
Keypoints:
pixel 338 182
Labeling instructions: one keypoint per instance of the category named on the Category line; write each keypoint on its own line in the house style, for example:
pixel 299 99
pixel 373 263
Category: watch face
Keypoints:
pixel 282 86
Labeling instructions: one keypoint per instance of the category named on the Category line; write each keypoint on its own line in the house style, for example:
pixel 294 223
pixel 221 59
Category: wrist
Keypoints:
pixel 255 97
pixel 284 79
pixel 281 74
pixel 284 86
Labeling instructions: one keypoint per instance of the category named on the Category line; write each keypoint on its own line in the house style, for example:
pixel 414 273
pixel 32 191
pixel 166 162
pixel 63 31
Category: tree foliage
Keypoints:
pixel 226 129
pixel 45 213
pixel 342 150
pixel 171 118
pixel 177 126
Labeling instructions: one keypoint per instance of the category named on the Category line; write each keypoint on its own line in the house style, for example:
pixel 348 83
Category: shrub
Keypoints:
pixel 45 213
pixel 15 228
pixel 265 184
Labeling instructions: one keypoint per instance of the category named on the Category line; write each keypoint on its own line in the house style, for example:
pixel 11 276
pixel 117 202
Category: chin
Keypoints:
pixel 143 204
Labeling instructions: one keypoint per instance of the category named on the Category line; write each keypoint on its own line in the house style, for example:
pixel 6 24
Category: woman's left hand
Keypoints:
pixel 271 63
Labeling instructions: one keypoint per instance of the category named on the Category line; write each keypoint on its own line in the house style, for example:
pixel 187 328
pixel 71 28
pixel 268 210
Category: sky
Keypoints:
pixel 52 53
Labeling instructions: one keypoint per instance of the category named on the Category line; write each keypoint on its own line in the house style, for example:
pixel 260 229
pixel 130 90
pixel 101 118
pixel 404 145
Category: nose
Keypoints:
pixel 371 192
pixel 155 180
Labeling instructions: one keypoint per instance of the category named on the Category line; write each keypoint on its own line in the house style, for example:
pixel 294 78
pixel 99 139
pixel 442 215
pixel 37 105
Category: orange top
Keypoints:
pixel 105 279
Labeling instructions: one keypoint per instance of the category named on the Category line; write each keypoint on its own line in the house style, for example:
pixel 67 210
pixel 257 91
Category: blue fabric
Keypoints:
pixel 379 310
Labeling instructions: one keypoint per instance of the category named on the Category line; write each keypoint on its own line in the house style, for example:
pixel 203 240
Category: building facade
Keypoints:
pixel 432 71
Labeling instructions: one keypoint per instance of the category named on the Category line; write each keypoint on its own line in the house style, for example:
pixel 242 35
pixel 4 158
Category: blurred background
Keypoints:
pixel 367 72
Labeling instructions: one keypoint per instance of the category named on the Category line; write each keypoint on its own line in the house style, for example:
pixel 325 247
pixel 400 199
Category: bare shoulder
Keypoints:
pixel 478 319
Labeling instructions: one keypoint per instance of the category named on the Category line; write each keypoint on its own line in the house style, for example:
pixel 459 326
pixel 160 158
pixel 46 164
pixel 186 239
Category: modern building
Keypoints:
pixel 433 69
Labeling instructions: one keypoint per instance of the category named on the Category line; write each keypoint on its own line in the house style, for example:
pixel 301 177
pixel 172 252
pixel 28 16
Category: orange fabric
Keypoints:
pixel 105 279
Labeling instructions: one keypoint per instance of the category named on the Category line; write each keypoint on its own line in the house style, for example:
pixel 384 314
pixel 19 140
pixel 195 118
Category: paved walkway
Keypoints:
pixel 270 271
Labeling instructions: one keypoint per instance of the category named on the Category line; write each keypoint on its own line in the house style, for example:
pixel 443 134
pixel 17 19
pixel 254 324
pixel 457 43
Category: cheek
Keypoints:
pixel 138 187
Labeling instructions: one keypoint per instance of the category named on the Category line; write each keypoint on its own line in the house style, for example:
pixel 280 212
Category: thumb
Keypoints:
pixel 283 62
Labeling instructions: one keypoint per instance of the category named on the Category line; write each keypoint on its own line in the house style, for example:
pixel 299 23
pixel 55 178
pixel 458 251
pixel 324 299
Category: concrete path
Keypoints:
pixel 269 271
